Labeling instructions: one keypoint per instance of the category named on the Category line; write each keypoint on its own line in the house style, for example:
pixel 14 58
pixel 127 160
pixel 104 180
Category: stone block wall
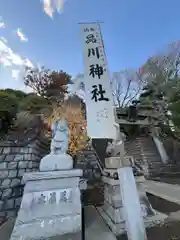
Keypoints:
pixel 87 161
pixel 15 160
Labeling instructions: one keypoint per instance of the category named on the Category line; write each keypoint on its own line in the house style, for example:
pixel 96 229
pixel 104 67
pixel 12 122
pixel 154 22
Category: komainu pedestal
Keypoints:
pixel 112 210
pixel 50 206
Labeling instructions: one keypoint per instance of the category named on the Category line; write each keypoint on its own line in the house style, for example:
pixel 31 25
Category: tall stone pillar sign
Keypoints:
pixel 51 203
pixel 99 98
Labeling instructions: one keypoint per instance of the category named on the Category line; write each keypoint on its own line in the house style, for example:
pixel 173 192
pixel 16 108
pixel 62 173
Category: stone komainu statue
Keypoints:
pixel 60 137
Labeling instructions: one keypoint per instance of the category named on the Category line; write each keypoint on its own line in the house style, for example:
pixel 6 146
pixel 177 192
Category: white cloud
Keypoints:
pixel 28 63
pixel 15 59
pixel 59 4
pixel 3 39
pixel 2 25
pixel 47 7
pixel 7 55
pixel 21 35
pixel 15 73
pixel 4 61
pixel 50 6
pixel 39 65
pixel 14 62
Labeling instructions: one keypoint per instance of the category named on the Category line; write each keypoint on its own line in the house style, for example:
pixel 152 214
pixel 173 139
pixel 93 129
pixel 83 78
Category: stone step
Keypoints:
pixel 151 157
pixel 150 154
pixel 141 148
pixel 148 151
pixel 152 162
pixel 134 148
pixel 157 168
pixel 96 228
pixel 170 174
pixel 87 153
pixel 6 229
pixel 152 148
pixel 93 158
pixel 140 145
pixel 133 151
pixel 166 169
pixel 156 164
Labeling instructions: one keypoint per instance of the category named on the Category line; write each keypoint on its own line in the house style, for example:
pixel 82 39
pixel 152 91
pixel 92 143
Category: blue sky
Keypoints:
pixel 132 31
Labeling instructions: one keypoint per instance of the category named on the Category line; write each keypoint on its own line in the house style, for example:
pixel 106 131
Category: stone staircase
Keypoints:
pixel 144 151
pixel 142 148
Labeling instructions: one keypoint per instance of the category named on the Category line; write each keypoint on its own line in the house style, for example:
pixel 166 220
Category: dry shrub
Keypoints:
pixel 76 123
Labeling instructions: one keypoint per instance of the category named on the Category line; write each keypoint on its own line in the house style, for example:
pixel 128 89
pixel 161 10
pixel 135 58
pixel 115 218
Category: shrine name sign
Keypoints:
pixel 98 94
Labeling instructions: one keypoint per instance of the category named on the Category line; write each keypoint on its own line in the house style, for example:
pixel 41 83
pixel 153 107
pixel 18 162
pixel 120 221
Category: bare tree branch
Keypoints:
pixel 132 98
pixel 127 91
pixel 162 70
pixel 126 86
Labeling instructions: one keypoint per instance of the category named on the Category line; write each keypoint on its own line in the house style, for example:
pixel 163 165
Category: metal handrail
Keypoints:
pixel 83 188
pixel 100 165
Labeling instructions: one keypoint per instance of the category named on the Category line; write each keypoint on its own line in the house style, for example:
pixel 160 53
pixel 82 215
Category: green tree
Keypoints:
pixel 18 93
pixel 8 109
pixel 35 104
pixel 8 101
pixel 174 108
pixel 163 86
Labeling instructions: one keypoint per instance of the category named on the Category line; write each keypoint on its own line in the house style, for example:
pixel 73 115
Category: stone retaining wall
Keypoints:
pixel 15 160
pixel 87 161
